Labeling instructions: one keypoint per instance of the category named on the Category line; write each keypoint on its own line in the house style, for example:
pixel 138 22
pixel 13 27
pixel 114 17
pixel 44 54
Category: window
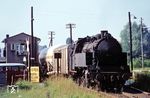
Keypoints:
pixel 13 47
pixel 18 48
pixel 21 49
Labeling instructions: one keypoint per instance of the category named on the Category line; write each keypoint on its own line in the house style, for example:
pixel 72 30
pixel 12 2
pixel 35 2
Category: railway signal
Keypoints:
pixel 130 31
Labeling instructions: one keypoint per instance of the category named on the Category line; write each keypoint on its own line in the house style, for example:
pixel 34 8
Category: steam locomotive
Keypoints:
pixel 94 61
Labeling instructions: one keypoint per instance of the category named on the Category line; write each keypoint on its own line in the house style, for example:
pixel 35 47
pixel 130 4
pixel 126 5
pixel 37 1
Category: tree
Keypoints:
pixel 125 41
pixel 136 40
pixel 125 38
pixel 146 43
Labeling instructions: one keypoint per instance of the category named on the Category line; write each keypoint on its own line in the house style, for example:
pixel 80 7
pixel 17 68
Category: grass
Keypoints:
pixel 143 69
pixel 54 87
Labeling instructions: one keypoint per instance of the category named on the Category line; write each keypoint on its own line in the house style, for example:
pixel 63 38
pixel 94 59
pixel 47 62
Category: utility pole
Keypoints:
pixel 51 33
pixel 130 31
pixel 142 53
pixel 32 39
pixel 70 26
pixel 32 43
pixel 28 56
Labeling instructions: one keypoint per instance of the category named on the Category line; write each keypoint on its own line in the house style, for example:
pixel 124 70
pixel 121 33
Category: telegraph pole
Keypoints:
pixel 142 43
pixel 32 43
pixel 70 26
pixel 51 33
pixel 130 31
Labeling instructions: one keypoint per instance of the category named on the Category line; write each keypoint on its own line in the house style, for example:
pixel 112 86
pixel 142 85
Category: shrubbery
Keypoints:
pixel 142 81
pixel 147 63
pixel 137 63
pixel 24 85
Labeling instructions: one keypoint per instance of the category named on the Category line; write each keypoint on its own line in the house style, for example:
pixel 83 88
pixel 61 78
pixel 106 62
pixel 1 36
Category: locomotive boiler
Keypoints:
pixel 94 61
pixel 99 61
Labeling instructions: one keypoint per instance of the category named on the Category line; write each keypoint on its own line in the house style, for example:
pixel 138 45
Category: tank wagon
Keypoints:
pixel 93 61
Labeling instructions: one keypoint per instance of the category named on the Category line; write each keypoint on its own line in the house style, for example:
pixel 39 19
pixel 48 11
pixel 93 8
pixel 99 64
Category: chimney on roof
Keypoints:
pixel 7 35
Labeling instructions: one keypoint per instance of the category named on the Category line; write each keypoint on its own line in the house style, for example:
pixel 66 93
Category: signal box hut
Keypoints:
pixel 16 48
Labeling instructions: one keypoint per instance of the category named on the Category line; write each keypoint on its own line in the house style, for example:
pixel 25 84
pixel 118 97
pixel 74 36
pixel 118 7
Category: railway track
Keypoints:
pixel 135 93
pixel 129 92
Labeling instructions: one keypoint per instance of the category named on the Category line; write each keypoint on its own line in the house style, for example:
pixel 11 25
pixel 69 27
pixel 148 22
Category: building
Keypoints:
pixel 2 58
pixel 17 50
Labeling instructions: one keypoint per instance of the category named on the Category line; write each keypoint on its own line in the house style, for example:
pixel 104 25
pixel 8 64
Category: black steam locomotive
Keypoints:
pixel 96 61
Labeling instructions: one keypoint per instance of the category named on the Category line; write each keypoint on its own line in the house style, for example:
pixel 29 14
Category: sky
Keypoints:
pixel 90 17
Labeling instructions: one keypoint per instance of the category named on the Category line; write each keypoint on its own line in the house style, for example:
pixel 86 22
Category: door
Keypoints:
pixel 2 76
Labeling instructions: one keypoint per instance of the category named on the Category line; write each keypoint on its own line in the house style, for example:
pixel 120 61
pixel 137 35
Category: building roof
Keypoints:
pixel 24 34
pixel 11 64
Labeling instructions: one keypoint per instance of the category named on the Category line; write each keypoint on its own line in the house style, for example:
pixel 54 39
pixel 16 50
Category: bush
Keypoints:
pixel 137 63
pixel 142 81
pixel 46 84
pixel 147 63
pixel 22 84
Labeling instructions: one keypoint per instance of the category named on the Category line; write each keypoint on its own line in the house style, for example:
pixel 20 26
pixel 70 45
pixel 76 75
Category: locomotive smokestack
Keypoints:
pixel 103 33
